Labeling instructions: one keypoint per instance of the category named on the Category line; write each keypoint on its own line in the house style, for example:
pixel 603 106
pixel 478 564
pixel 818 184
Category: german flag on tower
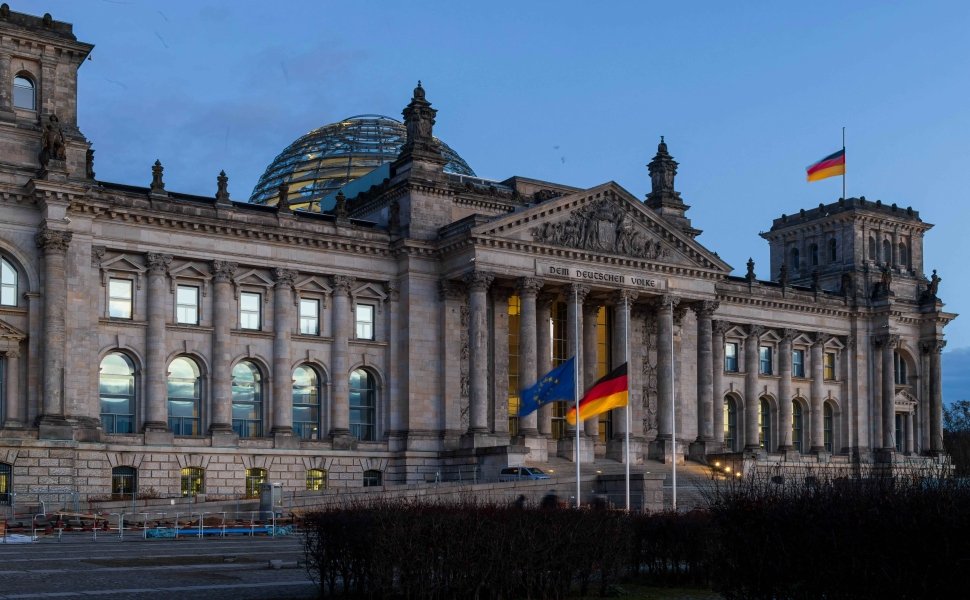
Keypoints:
pixel 607 393
pixel 830 166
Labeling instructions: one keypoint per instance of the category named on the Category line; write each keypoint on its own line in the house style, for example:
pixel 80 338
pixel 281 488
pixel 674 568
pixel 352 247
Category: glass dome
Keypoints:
pixel 322 161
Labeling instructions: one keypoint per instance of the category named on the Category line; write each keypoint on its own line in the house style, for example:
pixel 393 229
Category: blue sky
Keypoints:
pixel 746 93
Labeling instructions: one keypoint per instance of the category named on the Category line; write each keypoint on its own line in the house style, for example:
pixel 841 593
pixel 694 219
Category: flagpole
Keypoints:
pixel 843 163
pixel 626 357
pixel 673 419
pixel 576 310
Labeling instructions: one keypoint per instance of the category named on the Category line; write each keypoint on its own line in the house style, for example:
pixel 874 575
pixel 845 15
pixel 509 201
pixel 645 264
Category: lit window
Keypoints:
pixel 798 363
pixel 23 93
pixel 184 396
pixel 193 481
pixel 731 357
pixel 6 483
pixel 124 483
pixel 187 305
pixel 8 283
pixel 373 478
pixel 828 366
pixel 764 354
pixel 117 392
pixel 255 478
pixel 316 479
pixel 365 322
pixel 514 309
pixel 363 405
pixel 119 298
pixel 249 310
pixel 306 403
pixel 247 400
pixel 309 316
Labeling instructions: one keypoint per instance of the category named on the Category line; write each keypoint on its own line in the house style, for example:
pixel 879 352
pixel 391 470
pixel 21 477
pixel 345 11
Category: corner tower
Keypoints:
pixel 663 198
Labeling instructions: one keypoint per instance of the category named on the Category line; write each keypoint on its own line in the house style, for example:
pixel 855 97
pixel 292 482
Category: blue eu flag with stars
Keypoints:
pixel 556 385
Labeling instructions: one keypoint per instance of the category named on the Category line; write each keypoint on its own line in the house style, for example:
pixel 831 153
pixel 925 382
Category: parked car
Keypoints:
pixel 521 473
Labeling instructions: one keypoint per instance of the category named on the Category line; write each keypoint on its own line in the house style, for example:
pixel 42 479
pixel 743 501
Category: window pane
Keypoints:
pixel 249 305
pixel 309 316
pixel 119 298
pixel 365 322
pixel 187 305
pixel 8 284
pixel 23 93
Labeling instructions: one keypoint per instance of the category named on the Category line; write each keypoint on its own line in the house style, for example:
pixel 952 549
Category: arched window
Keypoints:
pixel 730 424
pixel 6 483
pixel 899 367
pixel 794 259
pixel 193 481
pixel 373 478
pixel 316 479
pixel 306 403
pixel 796 425
pixel 255 477
pixel 363 405
pixel 764 424
pixel 887 252
pixel 827 426
pixel 23 92
pixel 833 250
pixel 124 483
pixel 813 252
pixel 8 283
pixel 872 248
pixel 903 255
pixel 247 400
pixel 117 390
pixel 184 396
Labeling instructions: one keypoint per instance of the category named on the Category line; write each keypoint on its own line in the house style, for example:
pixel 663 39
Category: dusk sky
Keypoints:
pixel 746 93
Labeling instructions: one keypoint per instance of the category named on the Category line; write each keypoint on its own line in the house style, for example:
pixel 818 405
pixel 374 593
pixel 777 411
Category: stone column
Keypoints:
pixel 935 348
pixel 528 365
pixel 478 283
pixel 705 372
pixel 223 317
pixel 15 416
pixel 544 355
pixel 717 348
pixel 665 385
pixel 451 295
pixel 156 347
pixel 339 357
pixel 817 416
pixel 574 321
pixel 622 342
pixel 752 400
pixel 591 425
pixel 784 391
pixel 889 343
pixel 282 330
pixel 54 244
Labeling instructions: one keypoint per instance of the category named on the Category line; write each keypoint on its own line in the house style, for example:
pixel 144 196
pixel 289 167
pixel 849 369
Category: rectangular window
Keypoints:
pixel 119 298
pixel 515 307
pixel 309 316
pixel 365 322
pixel 730 357
pixel 828 366
pixel 249 310
pixel 764 354
pixel 187 305
pixel 798 363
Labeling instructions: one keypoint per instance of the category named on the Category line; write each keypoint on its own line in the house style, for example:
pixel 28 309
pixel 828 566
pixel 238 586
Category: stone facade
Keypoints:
pixel 374 344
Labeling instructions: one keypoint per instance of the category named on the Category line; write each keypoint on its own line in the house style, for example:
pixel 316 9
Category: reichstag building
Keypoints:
pixel 369 316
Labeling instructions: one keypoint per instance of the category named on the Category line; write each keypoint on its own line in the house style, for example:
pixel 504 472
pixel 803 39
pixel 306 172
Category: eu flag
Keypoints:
pixel 558 384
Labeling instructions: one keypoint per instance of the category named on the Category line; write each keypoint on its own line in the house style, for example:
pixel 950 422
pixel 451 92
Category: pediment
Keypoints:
pixel 122 263
pixel 314 284
pixel 255 278
pixel 9 332
pixel 190 271
pixel 603 220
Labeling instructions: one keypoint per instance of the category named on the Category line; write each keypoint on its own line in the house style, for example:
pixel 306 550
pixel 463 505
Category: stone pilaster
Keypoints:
pixel 717 349
pixel 784 391
pixel 888 345
pixel 339 366
pixel 752 401
pixel 622 341
pixel 453 353
pixel 282 375
pixel 705 379
pixel 14 418
pixel 528 364
pixel 54 244
pixel 934 348
pixel 6 91
pixel 817 416
pixel 223 317
pixel 478 283
pixel 156 347
pixel 544 355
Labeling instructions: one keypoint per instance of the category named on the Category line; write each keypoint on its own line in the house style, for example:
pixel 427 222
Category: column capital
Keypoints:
pixel 932 346
pixel 53 241
pixel 624 297
pixel 449 289
pixel 890 340
pixel 478 281
pixel 529 286
pixel 158 263
pixel 343 283
pixel 819 338
pixel 393 292
pixel 224 271
pixel 788 334
pixel 667 302
pixel 578 291
pixel 12 353
pixel 706 308
pixel 720 326
pixel 284 278
pixel 755 331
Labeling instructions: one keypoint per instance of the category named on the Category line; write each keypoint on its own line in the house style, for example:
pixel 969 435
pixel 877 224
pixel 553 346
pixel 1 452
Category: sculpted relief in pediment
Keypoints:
pixel 601 226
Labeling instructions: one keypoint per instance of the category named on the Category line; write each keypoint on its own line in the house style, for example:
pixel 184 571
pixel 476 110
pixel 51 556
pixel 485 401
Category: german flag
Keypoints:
pixel 830 166
pixel 609 392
